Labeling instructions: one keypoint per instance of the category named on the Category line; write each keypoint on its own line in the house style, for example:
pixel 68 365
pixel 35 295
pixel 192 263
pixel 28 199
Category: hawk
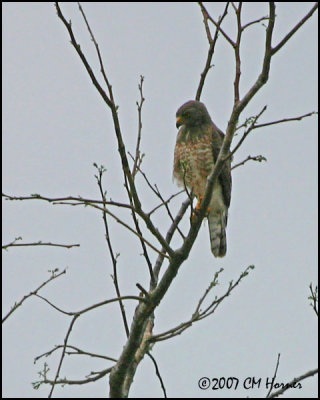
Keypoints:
pixel 197 148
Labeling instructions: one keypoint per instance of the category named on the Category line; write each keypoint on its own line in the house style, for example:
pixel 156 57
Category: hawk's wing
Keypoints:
pixel 225 175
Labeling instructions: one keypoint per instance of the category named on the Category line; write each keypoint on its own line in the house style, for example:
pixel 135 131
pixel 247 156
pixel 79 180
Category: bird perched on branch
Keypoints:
pixel 197 148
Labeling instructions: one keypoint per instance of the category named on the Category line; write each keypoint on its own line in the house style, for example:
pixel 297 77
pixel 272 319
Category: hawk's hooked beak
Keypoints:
pixel 178 122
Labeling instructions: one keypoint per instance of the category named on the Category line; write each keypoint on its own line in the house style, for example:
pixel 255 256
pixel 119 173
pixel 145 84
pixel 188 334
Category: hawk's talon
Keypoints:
pixel 196 210
pixel 194 215
pixel 198 205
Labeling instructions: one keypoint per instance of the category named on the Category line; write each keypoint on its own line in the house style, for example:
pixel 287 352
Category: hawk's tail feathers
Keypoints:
pixel 217 231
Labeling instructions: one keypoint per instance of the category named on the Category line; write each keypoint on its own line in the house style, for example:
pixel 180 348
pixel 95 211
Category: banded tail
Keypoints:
pixel 217 223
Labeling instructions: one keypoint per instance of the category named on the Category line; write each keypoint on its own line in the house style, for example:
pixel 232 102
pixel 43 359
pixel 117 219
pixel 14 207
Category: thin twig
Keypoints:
pixel 102 69
pixel 165 202
pixel 63 354
pixel 198 314
pixel 40 243
pixel 253 125
pixel 237 57
pixel 247 131
pixel 77 47
pixel 138 158
pixel 143 290
pixel 113 257
pixel 158 374
pixel 212 45
pixel 144 176
pixel 294 29
pixel 210 287
pixel 136 223
pixel 76 351
pixel 58 200
pixel 285 120
pixel 54 275
pixel 314 298
pixel 274 375
pixel 292 383
pixel 174 226
pixel 256 21
pixel 228 39
pixel 94 306
pixel 156 191
pixel 98 376
pixel 93 204
pixel 249 158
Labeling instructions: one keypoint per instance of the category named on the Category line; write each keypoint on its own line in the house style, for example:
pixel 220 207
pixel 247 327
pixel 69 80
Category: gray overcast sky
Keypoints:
pixel 55 126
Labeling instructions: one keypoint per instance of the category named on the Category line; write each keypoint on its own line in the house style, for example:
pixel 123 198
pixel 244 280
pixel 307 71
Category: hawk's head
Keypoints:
pixel 192 113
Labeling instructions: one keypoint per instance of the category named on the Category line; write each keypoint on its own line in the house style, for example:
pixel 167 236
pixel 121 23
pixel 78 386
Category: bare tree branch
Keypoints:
pixel 57 200
pixel 212 45
pixel 98 376
pixel 170 233
pixel 75 316
pixel 76 351
pixel 109 100
pixel 94 306
pixel 285 120
pixel 165 202
pixel 293 383
pixel 236 83
pixel 247 131
pixel 253 22
pixel 249 158
pixel 102 69
pixel 314 298
pixel 40 243
pixel 113 257
pixel 205 12
pixel 158 375
pixel 275 374
pixel 63 354
pixel 253 125
pixel 199 314
pixel 138 157
pixel 54 275
pixel 93 203
pixel 294 29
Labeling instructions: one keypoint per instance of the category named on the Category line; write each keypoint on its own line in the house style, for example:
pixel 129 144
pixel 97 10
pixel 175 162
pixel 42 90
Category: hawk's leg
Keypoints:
pixel 197 209
pixel 198 205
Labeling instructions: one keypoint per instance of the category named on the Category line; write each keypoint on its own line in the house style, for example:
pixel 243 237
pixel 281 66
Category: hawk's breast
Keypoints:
pixel 193 162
